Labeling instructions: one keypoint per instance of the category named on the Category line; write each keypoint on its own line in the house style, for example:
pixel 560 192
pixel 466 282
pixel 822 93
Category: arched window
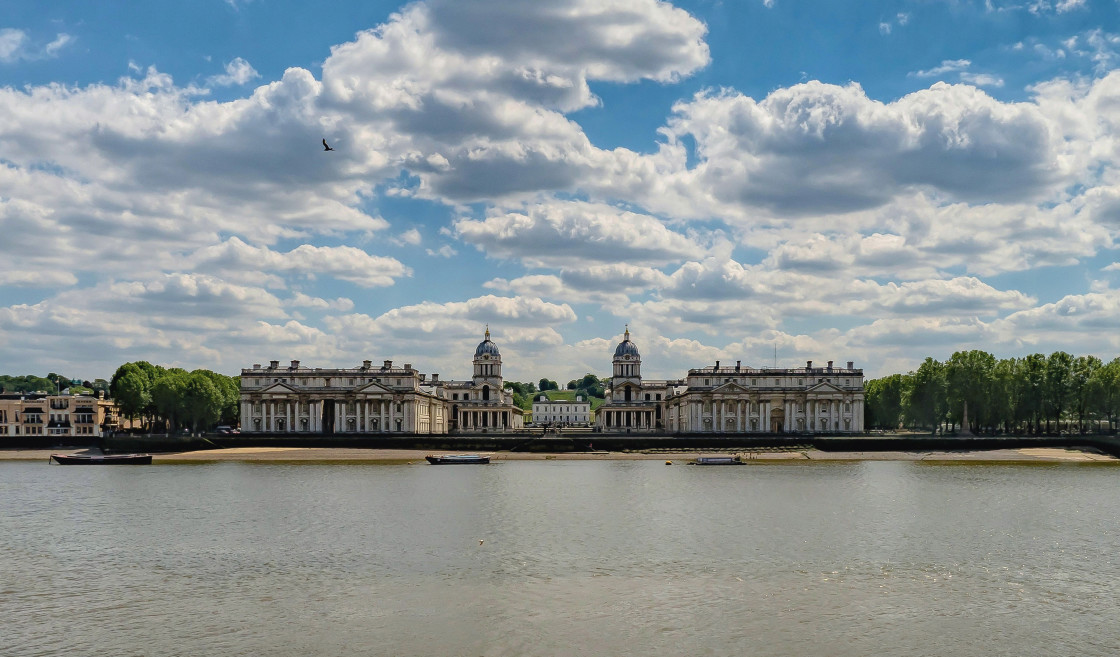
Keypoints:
pixel 485 393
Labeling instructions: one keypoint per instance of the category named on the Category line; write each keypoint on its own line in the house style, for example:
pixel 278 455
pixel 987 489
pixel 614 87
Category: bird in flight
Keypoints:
pixel 325 147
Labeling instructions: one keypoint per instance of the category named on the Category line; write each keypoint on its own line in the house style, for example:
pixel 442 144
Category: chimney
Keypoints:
pixel 366 364
pixel 423 377
pixel 829 366
pixel 435 378
pixel 808 364
pixel 738 363
pixel 295 365
pixel 273 364
pixel 850 364
pixel 408 366
pixel 717 366
pixel 256 366
pixel 388 365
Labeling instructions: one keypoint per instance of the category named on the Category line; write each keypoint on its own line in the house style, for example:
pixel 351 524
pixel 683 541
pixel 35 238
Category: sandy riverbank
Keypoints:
pixel 323 454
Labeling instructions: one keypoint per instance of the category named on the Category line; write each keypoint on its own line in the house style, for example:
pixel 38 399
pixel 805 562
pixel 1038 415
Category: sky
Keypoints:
pixel 765 181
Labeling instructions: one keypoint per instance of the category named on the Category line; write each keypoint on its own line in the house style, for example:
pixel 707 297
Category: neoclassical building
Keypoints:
pixel 365 399
pixel 377 400
pixel 632 405
pixel 732 400
pixel 561 412
pixel 482 405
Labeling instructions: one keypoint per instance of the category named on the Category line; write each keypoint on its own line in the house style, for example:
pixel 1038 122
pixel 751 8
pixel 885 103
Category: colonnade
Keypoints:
pixel 628 418
pixel 764 415
pixel 368 416
pixel 484 419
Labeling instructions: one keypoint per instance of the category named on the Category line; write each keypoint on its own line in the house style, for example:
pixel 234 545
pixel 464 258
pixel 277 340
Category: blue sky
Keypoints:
pixel 864 181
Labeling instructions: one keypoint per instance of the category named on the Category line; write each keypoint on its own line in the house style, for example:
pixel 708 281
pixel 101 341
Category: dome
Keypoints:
pixel 487 348
pixel 626 348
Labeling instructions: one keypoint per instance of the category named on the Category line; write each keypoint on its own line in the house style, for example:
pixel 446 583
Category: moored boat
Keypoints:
pixel 718 460
pixel 447 459
pixel 101 459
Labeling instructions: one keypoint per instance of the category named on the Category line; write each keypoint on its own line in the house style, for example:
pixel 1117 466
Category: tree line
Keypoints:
pixel 52 382
pixel 170 399
pixel 1033 395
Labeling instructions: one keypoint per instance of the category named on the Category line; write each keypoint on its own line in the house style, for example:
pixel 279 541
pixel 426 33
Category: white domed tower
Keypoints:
pixel 488 368
pixel 627 378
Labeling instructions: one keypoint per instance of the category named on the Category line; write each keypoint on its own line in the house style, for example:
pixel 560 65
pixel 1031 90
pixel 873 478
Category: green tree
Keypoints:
pixel 883 402
pixel 202 399
pixel 969 381
pixel 1057 387
pixel 1083 388
pixel 132 392
pixel 924 398
pixel 1107 382
pixel 168 397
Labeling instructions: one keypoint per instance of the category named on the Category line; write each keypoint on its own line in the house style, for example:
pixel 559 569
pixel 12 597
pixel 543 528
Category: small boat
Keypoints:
pixel 718 460
pixel 447 459
pixel 101 459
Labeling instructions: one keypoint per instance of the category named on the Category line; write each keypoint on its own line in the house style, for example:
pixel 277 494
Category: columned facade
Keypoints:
pixel 362 400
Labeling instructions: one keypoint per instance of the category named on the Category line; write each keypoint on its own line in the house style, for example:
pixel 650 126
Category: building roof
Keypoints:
pixel 626 347
pixel 486 347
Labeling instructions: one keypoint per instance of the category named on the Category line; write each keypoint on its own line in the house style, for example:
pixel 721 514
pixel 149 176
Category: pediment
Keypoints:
pixel 374 388
pixel 825 386
pixel 276 388
pixel 730 388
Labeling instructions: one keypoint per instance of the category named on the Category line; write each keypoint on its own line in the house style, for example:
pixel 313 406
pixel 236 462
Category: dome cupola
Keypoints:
pixel 626 347
pixel 487 348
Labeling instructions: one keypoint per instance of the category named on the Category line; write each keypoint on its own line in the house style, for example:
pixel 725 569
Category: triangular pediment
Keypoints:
pixel 373 388
pixel 730 388
pixel 825 386
pixel 277 388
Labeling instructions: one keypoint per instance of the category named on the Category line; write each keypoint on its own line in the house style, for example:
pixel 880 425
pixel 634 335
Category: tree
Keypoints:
pixel 1057 387
pixel 169 399
pixel 1083 388
pixel 1106 383
pixel 924 402
pixel 202 399
pixel 883 402
pixel 132 392
pixel 546 384
pixel 968 375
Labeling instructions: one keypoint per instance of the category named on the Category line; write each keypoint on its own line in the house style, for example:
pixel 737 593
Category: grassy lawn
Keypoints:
pixel 569 395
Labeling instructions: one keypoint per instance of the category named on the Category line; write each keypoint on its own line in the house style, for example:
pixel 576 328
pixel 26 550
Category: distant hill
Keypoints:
pixel 570 395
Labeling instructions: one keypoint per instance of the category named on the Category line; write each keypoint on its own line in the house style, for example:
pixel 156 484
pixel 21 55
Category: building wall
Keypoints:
pixel 40 414
pixel 365 399
pixel 561 412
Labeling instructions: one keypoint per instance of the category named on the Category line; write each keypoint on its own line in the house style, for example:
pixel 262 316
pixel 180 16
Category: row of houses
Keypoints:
pixel 391 399
pixel 60 415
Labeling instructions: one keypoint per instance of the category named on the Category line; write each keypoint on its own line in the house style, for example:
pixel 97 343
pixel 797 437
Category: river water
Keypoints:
pixel 560 558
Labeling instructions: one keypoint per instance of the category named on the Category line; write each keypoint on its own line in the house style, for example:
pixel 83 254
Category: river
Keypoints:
pixel 560 558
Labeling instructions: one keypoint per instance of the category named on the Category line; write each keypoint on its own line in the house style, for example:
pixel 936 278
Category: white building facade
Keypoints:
pixel 736 400
pixel 732 400
pixel 560 412
pixel 360 400
pixel 377 400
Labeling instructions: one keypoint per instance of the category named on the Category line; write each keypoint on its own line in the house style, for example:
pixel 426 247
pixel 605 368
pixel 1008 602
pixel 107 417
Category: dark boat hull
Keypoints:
pixel 451 460
pixel 109 459
pixel 718 460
